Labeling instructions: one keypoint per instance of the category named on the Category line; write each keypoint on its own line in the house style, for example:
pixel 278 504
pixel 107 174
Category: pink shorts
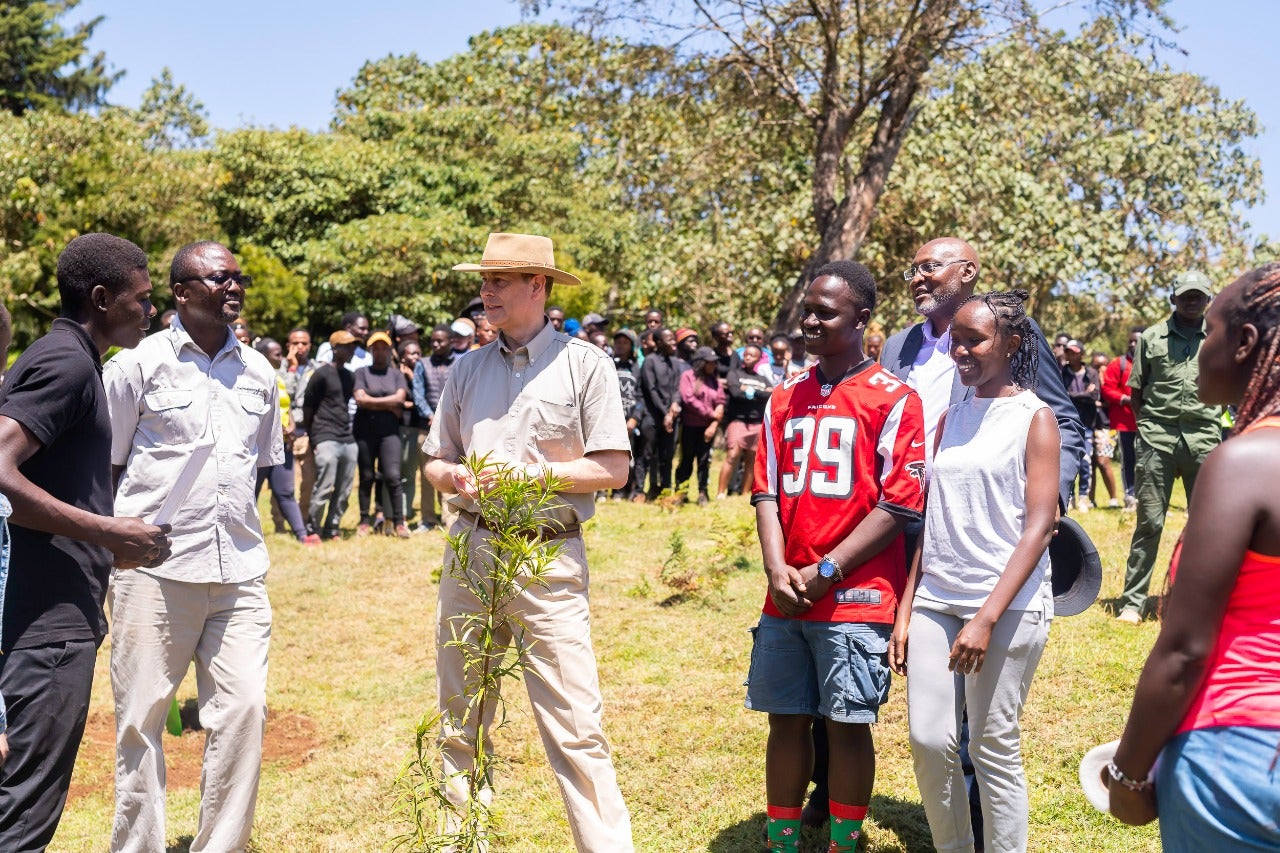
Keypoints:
pixel 740 436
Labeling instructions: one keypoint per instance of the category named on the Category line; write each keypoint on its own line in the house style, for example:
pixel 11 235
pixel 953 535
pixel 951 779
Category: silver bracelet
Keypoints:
pixel 1117 775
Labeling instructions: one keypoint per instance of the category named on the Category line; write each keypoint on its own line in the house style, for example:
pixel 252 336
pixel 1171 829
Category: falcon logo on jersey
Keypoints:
pixel 916 470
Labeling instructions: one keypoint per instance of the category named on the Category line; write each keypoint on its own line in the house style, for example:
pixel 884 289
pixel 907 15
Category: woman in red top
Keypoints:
pixel 1208 700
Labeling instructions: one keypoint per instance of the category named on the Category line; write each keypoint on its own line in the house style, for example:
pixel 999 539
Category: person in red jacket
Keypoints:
pixel 1115 396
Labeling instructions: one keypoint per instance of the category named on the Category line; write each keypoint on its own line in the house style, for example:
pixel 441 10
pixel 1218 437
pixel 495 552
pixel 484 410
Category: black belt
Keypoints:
pixel 545 533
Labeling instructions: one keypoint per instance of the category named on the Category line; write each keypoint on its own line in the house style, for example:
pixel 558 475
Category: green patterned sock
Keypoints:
pixel 784 827
pixel 846 827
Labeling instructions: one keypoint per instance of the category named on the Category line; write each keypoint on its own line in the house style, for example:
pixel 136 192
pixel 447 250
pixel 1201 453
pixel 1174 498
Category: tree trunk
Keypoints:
pixel 847 223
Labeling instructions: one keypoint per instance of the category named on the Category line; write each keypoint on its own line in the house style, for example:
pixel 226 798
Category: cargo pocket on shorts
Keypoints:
pixel 869 671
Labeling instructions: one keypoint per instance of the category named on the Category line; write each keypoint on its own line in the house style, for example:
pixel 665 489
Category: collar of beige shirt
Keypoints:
pixel 535 348
pixel 180 337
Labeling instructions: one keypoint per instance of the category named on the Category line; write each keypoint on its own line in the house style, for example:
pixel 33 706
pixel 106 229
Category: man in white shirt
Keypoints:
pixel 189 387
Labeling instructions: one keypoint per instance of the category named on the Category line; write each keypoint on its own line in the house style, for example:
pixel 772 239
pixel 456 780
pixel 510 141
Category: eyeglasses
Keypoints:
pixel 928 268
pixel 223 279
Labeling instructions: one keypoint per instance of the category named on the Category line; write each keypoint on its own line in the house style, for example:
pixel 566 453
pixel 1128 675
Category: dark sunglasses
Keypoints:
pixel 223 279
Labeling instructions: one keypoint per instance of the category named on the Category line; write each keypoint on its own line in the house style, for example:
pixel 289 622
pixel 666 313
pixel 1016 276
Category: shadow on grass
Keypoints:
pixel 904 819
pixel 183 845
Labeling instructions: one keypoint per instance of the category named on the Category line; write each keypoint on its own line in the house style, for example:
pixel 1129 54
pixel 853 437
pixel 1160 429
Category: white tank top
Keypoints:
pixel 978 505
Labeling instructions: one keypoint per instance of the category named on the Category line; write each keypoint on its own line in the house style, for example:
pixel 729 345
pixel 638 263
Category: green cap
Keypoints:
pixel 1191 280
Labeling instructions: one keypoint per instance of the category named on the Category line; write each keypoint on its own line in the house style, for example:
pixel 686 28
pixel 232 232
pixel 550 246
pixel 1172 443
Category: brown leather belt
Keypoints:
pixel 546 533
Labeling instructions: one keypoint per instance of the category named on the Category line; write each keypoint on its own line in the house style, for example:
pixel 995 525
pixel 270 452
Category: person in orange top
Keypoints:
pixel 1209 695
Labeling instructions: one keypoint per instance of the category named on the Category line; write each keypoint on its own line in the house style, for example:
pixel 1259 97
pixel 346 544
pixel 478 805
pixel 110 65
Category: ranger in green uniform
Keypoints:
pixel 1175 430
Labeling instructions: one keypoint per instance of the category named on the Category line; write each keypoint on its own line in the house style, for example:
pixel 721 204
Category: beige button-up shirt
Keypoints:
pixel 554 400
pixel 168 397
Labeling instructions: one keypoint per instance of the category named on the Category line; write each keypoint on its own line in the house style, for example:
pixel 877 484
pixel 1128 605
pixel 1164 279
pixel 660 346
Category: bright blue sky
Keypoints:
pixel 280 64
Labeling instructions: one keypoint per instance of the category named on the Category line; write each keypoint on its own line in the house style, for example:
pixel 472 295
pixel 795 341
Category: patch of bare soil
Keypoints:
pixel 289 741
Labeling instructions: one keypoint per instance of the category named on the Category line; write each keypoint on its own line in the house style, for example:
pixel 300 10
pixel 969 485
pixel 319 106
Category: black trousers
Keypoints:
pixel 1128 459
pixel 382 452
pixel 47 690
pixel 659 451
pixel 694 447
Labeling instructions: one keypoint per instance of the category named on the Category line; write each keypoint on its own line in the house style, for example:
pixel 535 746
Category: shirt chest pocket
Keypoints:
pixel 170 416
pixel 557 429
pixel 250 406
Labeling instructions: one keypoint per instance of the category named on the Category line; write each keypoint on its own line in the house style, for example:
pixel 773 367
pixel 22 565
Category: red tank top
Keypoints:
pixel 1242 685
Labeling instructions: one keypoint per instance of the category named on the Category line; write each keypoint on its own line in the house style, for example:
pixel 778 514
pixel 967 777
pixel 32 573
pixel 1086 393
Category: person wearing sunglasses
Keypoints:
pixel 182 389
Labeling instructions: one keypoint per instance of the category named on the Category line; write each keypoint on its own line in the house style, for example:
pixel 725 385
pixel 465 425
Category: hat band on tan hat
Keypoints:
pixel 519 253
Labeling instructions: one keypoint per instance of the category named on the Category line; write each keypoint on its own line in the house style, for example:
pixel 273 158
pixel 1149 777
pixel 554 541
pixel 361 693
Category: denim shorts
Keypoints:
pixel 837 670
pixel 1204 808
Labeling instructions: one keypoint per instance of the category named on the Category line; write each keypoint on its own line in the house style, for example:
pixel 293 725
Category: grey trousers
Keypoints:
pixel 335 474
pixel 994 698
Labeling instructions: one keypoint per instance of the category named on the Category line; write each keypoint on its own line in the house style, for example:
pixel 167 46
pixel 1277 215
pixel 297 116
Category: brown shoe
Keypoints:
pixel 638 499
pixel 363 529
pixel 402 532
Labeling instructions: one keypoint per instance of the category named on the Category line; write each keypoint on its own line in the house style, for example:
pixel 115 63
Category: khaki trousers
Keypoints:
pixel 158 626
pixel 564 690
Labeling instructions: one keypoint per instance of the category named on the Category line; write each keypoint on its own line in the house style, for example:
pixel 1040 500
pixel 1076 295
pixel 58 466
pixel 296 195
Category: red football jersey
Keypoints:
pixel 828 460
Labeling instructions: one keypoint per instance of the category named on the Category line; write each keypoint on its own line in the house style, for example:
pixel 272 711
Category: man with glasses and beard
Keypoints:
pixel 179 392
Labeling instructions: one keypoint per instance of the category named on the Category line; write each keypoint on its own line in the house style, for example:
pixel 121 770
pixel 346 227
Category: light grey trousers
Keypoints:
pixel 994 698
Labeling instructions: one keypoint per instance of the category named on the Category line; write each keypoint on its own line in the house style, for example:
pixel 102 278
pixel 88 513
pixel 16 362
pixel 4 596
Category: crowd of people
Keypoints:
pixel 906 489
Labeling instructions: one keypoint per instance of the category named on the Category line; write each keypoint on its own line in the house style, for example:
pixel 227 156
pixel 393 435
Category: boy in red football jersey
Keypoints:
pixel 839 475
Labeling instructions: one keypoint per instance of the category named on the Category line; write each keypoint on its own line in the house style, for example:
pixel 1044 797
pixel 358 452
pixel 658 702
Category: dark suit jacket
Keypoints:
pixel 899 356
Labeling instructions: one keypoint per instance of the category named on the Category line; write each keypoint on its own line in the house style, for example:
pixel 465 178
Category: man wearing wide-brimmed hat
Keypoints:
pixel 549 402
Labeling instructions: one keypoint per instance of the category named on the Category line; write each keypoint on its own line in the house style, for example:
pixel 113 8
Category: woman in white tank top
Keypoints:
pixel 978 600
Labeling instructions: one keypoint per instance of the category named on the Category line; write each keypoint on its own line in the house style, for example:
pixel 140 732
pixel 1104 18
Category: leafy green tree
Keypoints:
pixel 42 66
pixel 1084 172
pixel 847 78
pixel 172 113
pixel 64 175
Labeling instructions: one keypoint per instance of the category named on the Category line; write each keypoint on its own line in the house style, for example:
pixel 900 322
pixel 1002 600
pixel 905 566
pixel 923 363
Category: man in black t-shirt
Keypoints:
pixel 55 468
pixel 326 410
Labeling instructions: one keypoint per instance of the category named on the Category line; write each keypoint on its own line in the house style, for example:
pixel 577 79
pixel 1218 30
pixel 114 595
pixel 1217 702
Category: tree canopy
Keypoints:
pixel 42 66
pixel 703 178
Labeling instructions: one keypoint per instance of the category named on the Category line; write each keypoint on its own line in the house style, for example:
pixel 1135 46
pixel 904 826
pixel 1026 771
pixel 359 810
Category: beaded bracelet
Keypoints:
pixel 1117 775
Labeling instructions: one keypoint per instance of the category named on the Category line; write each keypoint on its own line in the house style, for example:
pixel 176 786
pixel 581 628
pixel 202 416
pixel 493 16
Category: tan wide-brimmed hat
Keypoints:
pixel 525 253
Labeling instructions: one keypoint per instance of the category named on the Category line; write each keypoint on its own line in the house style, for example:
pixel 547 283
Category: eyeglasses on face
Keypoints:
pixel 928 268
pixel 222 279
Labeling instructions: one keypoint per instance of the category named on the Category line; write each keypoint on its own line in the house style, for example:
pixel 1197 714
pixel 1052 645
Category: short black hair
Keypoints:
pixel 442 327
pixel 786 340
pixel 262 344
pixel 1138 329
pixel 300 329
pixel 180 268
pixel 351 316
pixel 856 276
pixel 91 260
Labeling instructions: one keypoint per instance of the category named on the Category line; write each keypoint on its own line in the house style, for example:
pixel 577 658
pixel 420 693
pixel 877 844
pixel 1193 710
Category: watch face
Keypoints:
pixel 827 569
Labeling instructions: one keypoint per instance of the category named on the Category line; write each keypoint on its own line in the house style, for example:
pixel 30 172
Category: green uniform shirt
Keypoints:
pixel 1165 368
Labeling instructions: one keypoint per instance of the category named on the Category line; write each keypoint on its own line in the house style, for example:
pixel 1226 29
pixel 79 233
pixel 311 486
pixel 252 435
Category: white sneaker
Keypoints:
pixel 1129 617
pixel 1083 504
pixel 1114 503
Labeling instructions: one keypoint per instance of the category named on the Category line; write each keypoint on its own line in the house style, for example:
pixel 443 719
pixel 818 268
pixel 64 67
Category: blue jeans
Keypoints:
pixel 1085 466
pixel 1205 807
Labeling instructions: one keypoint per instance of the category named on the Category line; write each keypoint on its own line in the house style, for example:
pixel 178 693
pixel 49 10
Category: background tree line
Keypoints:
pixel 699 157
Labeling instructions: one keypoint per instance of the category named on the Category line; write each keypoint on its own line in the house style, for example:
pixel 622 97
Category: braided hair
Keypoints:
pixel 1010 310
pixel 1260 307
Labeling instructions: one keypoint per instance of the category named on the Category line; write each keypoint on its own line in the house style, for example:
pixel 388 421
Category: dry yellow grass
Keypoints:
pixel 353 653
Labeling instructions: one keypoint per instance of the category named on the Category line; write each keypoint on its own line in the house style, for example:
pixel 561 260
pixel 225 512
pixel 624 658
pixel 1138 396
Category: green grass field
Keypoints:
pixel 352 672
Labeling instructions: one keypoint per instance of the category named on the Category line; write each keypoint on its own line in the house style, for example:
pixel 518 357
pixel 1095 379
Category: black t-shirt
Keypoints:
pixel 328 394
pixel 378 383
pixel 57 585
pixel 727 362
pixel 748 394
